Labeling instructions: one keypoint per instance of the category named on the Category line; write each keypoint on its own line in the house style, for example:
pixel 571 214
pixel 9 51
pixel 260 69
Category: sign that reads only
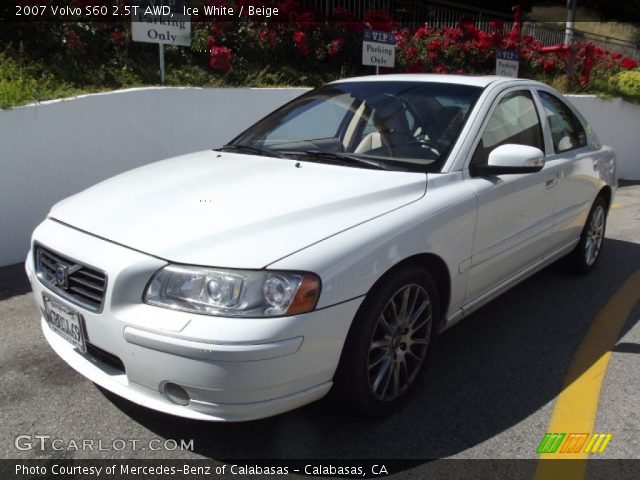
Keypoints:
pixel 158 21
pixel 507 62
pixel 378 48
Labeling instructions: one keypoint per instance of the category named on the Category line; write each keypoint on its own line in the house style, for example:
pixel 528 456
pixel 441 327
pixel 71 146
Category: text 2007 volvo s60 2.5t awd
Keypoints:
pixel 322 248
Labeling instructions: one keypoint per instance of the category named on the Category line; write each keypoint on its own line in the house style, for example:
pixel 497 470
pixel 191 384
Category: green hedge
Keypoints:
pixel 627 84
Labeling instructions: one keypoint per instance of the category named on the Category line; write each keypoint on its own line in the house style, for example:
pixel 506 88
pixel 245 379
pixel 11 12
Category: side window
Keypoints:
pixel 514 120
pixel 567 131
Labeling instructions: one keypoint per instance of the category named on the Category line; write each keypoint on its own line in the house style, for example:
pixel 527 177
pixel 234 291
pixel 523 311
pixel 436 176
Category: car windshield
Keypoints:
pixel 383 124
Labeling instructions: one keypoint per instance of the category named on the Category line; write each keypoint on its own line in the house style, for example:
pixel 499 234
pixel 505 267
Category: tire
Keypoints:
pixel 386 349
pixel 585 256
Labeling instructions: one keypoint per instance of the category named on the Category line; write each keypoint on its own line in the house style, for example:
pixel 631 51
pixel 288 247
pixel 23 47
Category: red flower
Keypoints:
pixel 435 45
pixel 548 64
pixel 118 38
pixel 440 68
pixel 220 58
pixel 452 33
pixel 412 52
pixel 300 39
pixel 268 36
pixel 378 20
pixel 414 67
pixel 496 25
pixel 335 46
pixel 73 41
pixel 629 63
pixel 218 28
pixel 422 32
pixel 485 41
pixel 468 28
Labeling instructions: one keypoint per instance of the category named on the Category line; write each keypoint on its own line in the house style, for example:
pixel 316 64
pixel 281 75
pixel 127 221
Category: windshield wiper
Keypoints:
pixel 267 152
pixel 343 158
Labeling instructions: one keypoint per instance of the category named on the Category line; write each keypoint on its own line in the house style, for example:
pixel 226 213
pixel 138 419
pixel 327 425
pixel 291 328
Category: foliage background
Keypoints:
pixel 43 60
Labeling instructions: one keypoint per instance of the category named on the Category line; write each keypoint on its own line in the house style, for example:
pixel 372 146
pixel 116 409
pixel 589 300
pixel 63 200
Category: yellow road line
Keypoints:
pixel 616 205
pixel 577 405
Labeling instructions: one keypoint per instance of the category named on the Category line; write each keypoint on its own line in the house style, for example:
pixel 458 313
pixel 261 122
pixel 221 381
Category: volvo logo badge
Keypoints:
pixel 62 276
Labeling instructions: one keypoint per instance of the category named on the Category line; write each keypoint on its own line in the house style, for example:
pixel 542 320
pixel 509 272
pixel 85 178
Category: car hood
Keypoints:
pixel 230 210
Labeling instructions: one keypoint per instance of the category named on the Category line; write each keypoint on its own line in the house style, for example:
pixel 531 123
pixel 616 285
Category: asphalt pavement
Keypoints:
pixel 489 391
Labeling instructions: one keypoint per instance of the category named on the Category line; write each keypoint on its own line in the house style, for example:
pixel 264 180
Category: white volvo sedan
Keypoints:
pixel 322 248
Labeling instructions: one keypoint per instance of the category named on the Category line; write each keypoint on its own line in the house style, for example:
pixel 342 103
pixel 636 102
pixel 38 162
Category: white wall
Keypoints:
pixel 51 150
pixel 617 123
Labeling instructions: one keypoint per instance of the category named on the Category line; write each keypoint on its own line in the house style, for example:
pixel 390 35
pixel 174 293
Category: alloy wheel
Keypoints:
pixel 594 236
pixel 399 342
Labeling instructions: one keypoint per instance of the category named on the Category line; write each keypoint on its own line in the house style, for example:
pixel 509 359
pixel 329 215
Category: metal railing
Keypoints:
pixel 554 35
pixel 408 11
pixel 449 14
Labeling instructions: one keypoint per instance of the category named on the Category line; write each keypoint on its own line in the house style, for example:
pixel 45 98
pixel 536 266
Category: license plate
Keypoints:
pixel 65 321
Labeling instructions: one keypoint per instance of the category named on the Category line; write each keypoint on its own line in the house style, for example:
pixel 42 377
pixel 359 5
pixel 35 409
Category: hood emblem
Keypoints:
pixel 62 276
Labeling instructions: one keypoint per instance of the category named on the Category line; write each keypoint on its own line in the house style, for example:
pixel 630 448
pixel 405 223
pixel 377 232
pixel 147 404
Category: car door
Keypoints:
pixel 575 161
pixel 515 211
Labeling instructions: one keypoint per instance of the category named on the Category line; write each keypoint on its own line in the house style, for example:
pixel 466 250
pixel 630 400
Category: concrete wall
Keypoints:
pixel 617 123
pixel 51 150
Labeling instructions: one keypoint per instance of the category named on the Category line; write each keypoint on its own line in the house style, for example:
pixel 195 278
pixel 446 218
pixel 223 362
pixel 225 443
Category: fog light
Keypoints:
pixel 176 394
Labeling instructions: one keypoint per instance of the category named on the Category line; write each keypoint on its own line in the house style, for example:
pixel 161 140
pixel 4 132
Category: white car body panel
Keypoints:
pixel 349 226
pixel 204 208
pixel 441 223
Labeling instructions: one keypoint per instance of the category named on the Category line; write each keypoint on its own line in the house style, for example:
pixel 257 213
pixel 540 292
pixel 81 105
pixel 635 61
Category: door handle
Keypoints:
pixel 551 182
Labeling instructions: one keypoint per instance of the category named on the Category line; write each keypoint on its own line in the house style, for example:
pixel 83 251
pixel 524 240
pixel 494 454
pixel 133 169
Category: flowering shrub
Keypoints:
pixel 300 38
pixel 466 49
pixel 220 58
pixel 300 46
pixel 308 41
pixel 626 83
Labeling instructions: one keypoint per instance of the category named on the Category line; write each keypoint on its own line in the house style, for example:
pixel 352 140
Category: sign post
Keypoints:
pixel 507 62
pixel 161 48
pixel 378 49
pixel 159 21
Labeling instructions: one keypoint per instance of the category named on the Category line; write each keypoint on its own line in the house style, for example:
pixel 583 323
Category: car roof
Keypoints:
pixel 473 80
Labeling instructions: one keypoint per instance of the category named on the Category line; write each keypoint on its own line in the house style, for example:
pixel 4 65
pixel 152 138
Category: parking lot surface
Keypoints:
pixel 490 390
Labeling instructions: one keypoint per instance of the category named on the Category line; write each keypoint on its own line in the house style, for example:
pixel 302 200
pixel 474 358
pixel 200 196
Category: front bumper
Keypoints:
pixel 233 369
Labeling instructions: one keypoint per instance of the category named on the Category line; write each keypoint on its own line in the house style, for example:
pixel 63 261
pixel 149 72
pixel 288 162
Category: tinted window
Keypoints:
pixel 567 131
pixel 514 120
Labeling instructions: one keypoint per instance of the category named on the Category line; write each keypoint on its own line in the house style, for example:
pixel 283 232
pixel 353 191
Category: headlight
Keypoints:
pixel 233 293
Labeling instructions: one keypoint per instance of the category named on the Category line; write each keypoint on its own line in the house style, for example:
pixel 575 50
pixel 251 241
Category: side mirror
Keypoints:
pixel 511 159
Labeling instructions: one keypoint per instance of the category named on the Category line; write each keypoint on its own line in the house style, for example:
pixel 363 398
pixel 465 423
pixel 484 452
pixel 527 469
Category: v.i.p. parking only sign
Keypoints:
pixel 378 48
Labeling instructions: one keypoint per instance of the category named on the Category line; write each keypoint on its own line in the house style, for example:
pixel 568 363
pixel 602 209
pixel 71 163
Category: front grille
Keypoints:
pixel 80 284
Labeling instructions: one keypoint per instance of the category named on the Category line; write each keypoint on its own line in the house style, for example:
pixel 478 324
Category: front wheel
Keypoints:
pixel 386 348
pixel 587 252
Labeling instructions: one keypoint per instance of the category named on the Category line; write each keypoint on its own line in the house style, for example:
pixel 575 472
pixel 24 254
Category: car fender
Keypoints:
pixel 441 223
